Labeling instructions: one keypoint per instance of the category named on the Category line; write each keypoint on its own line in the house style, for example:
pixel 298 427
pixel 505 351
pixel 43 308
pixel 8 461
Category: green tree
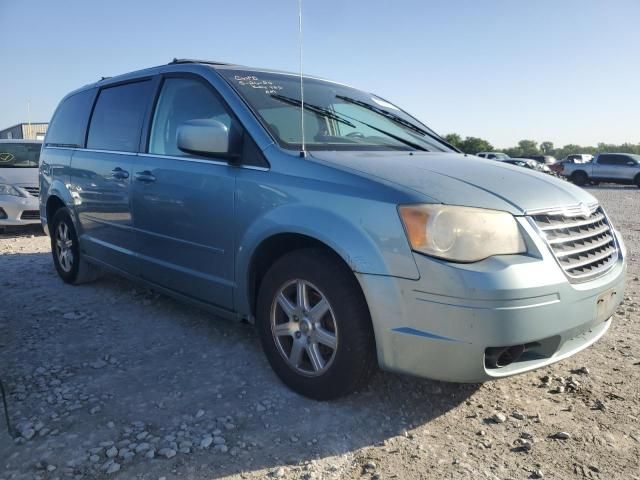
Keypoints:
pixel 454 139
pixel 528 147
pixel 473 145
pixel 547 148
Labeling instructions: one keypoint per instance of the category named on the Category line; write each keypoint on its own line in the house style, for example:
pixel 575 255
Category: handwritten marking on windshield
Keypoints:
pixel 252 81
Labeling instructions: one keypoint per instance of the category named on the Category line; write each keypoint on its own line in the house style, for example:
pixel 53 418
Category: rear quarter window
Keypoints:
pixel 117 118
pixel 69 122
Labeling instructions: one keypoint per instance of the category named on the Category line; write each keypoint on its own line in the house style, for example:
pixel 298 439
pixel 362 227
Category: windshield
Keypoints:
pixel 19 155
pixel 336 117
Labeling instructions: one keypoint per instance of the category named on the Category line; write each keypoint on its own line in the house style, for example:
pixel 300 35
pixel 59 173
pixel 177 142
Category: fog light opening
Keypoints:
pixel 499 357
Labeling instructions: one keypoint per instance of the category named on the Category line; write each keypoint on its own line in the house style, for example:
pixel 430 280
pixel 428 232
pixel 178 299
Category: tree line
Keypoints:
pixel 473 145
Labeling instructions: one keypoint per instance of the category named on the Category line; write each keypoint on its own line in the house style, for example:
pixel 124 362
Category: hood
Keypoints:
pixel 19 176
pixel 456 179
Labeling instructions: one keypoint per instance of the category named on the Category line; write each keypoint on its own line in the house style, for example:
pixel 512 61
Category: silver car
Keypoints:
pixel 19 182
pixel 621 168
pixel 363 239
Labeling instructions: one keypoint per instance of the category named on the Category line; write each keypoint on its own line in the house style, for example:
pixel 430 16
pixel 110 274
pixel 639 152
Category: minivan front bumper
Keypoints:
pixel 448 324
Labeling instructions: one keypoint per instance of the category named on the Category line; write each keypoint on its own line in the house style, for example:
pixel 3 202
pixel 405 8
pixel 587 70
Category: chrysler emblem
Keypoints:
pixel 585 211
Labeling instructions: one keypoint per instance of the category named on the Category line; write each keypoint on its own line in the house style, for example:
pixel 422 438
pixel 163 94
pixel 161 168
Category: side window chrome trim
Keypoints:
pixel 117 152
pixel 197 160
pixel 55 147
pixel 169 157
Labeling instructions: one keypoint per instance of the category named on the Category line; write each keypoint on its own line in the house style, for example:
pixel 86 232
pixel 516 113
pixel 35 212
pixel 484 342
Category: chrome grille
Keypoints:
pixel 584 245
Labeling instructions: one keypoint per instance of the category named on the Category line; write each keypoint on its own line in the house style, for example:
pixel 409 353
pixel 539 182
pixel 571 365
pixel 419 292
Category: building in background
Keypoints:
pixel 25 131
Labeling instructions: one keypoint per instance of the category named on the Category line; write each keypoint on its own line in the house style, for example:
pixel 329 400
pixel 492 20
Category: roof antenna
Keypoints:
pixel 302 151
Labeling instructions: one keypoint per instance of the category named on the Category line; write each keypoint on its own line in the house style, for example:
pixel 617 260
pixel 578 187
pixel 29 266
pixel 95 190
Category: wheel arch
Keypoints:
pixel 381 251
pixel 273 248
pixel 54 203
pixel 57 196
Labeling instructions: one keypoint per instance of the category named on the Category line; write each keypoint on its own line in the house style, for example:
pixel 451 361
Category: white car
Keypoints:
pixel 19 204
pixel 493 155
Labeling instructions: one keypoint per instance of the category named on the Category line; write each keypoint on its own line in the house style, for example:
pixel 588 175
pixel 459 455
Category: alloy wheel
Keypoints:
pixel 304 328
pixel 64 245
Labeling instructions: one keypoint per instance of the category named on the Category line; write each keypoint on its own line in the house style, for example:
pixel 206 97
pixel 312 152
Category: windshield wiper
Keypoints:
pixel 397 119
pixel 313 108
pixel 339 118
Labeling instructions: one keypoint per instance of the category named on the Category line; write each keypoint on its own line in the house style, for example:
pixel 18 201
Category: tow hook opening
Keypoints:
pixel 499 357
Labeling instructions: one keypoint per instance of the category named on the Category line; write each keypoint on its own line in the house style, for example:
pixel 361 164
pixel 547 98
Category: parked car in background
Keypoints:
pixel 577 158
pixel 520 162
pixel 528 163
pixel 574 158
pixel 543 159
pixel 493 155
pixel 19 182
pixel 606 167
pixel 373 242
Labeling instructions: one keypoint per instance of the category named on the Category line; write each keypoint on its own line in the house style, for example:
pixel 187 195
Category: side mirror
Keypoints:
pixel 206 137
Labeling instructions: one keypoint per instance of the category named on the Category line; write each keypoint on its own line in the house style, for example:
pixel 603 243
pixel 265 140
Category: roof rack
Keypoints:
pixel 192 60
pixel 104 78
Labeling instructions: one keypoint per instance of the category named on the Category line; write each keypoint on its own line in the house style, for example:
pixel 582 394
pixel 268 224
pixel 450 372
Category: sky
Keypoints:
pixel 562 71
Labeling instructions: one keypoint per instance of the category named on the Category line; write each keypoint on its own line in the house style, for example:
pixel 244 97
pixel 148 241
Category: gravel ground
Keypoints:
pixel 111 380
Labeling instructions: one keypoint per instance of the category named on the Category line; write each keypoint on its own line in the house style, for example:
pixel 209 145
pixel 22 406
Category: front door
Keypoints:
pixel 183 204
pixel 101 174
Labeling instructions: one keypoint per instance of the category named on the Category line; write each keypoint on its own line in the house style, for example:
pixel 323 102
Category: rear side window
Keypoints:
pixel 69 123
pixel 117 117
pixel 612 160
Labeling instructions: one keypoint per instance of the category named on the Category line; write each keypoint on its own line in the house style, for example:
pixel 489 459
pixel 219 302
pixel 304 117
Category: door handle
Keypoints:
pixel 119 174
pixel 145 177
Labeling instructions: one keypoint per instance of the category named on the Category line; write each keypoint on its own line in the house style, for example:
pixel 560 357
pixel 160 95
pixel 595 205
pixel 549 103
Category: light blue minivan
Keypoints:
pixel 361 239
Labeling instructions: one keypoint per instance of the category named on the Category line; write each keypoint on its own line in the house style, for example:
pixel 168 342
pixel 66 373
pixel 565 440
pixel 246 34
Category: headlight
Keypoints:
pixel 461 234
pixel 6 189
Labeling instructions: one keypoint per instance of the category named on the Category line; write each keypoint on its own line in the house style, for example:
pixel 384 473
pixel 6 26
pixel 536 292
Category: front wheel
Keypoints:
pixel 579 178
pixel 315 326
pixel 65 248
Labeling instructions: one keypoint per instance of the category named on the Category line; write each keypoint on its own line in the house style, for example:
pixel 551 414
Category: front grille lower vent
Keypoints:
pixel 30 215
pixel 584 246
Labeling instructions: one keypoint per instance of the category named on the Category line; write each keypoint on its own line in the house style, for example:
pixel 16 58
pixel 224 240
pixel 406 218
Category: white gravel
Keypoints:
pixel 111 380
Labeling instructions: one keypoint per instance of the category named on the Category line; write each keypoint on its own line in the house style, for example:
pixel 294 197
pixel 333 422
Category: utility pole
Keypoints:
pixel 30 134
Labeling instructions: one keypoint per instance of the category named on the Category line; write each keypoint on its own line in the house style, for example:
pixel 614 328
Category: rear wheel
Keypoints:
pixel 315 326
pixel 70 265
pixel 579 178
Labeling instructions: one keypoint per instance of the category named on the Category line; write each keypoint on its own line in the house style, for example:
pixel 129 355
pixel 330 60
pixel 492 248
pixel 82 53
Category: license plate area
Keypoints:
pixel 605 305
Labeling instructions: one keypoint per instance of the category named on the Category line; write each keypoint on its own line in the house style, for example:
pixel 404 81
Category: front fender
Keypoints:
pixel 365 250
pixel 59 190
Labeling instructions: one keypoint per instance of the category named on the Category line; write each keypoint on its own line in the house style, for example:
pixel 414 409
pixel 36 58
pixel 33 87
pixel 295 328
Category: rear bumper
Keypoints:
pixel 441 326
pixel 17 208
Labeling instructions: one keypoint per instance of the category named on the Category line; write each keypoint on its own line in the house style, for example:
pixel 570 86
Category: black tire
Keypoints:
pixel 579 178
pixel 354 358
pixel 75 270
pixel 637 181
